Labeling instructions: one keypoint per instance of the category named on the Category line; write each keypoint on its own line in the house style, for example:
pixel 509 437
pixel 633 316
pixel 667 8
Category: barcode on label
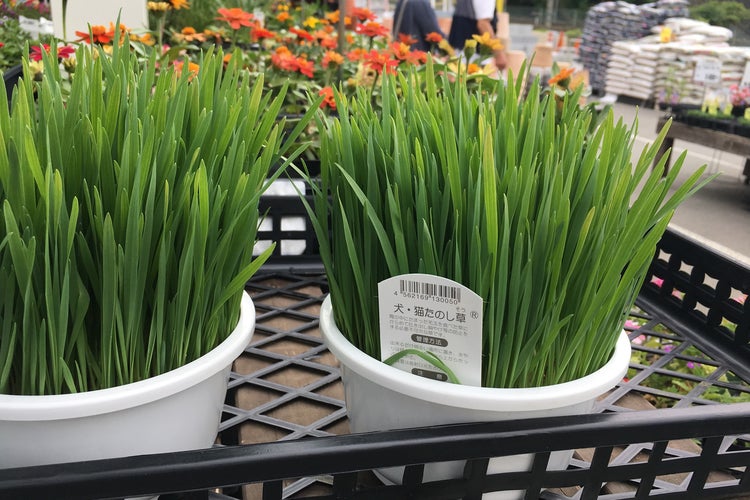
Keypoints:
pixel 430 289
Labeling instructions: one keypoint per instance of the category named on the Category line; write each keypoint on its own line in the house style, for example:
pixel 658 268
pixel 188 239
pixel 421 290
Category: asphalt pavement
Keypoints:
pixel 719 214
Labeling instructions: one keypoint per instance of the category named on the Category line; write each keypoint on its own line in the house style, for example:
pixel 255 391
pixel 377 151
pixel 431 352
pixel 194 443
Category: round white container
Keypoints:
pixel 380 397
pixel 178 410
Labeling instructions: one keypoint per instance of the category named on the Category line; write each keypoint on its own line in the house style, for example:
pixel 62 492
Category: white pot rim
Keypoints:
pixel 84 404
pixel 464 396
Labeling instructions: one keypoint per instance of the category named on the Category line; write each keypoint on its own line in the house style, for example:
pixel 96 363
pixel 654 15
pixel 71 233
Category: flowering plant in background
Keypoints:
pixel 739 96
pixel 295 47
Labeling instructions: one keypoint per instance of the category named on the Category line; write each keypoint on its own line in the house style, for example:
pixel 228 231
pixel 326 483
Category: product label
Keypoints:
pixel 746 76
pixel 708 71
pixel 434 315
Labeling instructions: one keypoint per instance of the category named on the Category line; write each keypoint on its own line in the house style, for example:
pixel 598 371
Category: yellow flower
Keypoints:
pixel 471 44
pixel 486 40
pixel 36 68
pixel 159 6
pixel 446 47
pixel 311 22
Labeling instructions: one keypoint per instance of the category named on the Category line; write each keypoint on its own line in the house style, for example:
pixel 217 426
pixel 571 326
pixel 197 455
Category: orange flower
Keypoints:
pixel 333 17
pixel 192 69
pixel 145 39
pixel 218 36
pixel 188 34
pixel 563 75
pixel 473 68
pixel 381 62
pixel 235 17
pixel 179 4
pixel 328 100
pixel 434 37
pixel 226 59
pixel 356 54
pixel 283 59
pixel 99 34
pixel 407 39
pixel 326 40
pixel 363 14
pixel 400 50
pixel 372 29
pixel 283 16
pixel 332 57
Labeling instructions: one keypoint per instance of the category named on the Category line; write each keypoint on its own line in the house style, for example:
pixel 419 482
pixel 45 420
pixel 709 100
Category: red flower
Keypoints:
pixel 416 57
pixel 363 14
pixel 1 44
pixel 235 17
pixel 328 100
pixel 305 67
pixel 302 34
pixel 372 29
pixel 380 62
pixel 258 33
pixel 36 51
pixel 63 52
pixel 407 39
pixel 434 37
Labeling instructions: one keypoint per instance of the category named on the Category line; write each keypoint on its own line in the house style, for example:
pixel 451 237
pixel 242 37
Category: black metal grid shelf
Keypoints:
pixel 676 427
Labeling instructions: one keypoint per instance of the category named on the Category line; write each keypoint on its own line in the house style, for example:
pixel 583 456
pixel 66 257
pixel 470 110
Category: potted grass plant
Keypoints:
pixel 551 225
pixel 129 201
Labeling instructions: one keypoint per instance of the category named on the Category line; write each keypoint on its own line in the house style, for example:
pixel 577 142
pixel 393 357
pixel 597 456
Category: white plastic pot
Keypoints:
pixel 380 397
pixel 178 410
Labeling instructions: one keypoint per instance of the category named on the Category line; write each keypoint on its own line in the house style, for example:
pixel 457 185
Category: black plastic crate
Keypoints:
pixel 694 446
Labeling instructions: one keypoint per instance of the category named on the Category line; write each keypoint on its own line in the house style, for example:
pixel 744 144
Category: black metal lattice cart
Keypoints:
pixel 676 427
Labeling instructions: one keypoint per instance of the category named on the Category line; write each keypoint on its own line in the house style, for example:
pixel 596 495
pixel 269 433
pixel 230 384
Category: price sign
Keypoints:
pixel 707 71
pixel 746 76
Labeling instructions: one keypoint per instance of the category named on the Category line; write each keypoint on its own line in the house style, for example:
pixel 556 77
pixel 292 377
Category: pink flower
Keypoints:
pixel 739 96
pixel 639 340
pixel 631 325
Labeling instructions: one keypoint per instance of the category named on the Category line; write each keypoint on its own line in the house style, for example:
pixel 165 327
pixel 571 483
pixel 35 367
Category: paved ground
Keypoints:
pixel 719 214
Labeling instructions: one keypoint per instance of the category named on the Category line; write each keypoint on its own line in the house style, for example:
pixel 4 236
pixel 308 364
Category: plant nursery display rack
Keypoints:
pixel 678 426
